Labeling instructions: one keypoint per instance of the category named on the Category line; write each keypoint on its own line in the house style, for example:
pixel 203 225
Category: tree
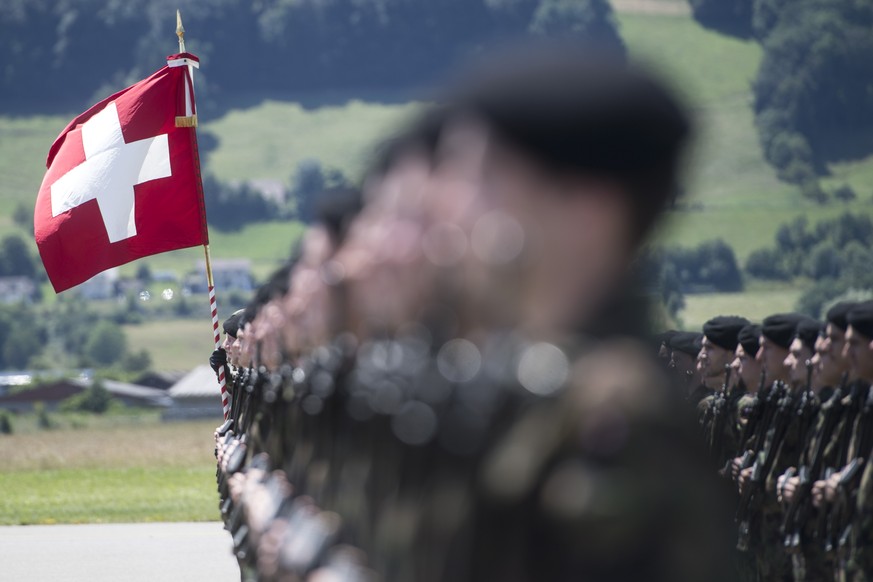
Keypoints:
pixel 824 262
pixel 21 346
pixel 733 17
pixel 106 343
pixel 96 399
pixel 144 273
pixel 310 181
pixel 589 20
pixel 5 423
pixel 23 217
pixel 710 266
pixel 845 193
pixel 137 361
pixel 16 259
pixel 814 87
pixel 766 264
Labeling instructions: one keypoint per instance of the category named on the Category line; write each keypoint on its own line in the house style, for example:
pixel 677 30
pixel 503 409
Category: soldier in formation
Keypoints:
pixel 451 379
pixel 796 444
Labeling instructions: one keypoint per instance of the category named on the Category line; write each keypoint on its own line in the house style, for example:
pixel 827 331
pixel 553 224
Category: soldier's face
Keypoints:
pixel 712 359
pixel 798 354
pixel 577 234
pixel 681 362
pixel 664 353
pixel 747 368
pixel 829 359
pixel 233 353
pixel 772 359
pixel 859 351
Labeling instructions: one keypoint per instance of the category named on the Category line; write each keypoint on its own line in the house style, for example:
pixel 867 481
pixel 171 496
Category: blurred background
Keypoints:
pixel 293 95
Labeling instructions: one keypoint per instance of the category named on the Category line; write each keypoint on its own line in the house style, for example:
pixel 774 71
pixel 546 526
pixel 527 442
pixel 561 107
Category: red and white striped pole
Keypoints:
pixel 213 306
pixel 190 120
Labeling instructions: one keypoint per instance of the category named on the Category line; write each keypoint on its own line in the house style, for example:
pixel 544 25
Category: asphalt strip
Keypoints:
pixel 117 553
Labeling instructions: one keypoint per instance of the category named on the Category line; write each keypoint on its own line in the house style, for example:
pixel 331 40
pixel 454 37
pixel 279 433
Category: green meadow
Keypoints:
pixel 109 472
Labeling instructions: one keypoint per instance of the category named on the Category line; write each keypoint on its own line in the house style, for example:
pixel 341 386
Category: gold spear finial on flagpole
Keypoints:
pixel 210 281
pixel 180 31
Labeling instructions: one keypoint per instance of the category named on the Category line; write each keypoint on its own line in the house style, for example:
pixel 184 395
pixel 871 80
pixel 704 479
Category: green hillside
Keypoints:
pixel 732 193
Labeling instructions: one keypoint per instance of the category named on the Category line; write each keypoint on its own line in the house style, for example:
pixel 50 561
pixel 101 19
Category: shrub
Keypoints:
pixel 5 423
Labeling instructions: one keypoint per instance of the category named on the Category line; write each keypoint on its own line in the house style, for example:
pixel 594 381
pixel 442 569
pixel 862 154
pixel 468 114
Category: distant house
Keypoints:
pixel 100 286
pixel 49 394
pixel 17 290
pixel 229 275
pixel 53 393
pixel 196 395
pixel 160 380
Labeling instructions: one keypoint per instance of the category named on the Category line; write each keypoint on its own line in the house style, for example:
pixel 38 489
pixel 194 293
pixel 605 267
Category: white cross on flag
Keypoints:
pixel 123 182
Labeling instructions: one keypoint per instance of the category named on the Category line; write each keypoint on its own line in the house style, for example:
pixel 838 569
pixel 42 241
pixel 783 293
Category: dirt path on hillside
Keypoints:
pixel 665 7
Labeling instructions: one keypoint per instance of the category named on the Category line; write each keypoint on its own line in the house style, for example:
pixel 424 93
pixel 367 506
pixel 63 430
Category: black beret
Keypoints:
pixel 860 317
pixel 687 342
pixel 231 325
pixel 808 331
pixel 337 207
pixel 750 338
pixel 575 110
pixel 724 330
pixel 836 315
pixel 781 328
pixel 664 337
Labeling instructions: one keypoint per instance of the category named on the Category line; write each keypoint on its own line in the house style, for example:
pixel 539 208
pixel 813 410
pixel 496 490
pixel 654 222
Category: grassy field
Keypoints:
pixel 175 344
pixel 754 305
pixel 109 474
pixel 268 141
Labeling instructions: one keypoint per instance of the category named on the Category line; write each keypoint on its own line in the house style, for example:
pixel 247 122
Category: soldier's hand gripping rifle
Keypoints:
pixel 760 415
pixel 801 504
pixel 754 489
pixel 845 506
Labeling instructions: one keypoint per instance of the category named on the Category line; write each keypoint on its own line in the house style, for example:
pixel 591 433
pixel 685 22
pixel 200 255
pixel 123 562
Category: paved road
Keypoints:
pixel 152 552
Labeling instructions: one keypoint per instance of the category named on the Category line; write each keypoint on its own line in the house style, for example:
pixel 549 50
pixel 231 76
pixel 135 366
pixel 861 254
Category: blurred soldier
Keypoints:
pixel 532 455
pixel 762 519
pixel 219 356
pixel 718 347
pixel 684 346
pixel 720 339
pixel 811 562
pixel 745 365
pixel 855 562
pixel 748 370
pixel 662 340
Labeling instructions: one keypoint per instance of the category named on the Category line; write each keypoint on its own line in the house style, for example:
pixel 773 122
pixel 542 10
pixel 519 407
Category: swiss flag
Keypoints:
pixel 123 181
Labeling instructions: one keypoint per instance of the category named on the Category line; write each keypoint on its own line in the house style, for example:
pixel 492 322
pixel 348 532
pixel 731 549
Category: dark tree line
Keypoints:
pixel 835 254
pixel 61 53
pixel 672 272
pixel 813 93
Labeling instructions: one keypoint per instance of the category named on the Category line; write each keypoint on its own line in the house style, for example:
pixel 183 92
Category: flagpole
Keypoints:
pixel 210 281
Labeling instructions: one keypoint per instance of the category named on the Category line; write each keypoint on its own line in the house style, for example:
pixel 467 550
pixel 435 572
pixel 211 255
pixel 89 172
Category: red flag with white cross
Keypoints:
pixel 123 180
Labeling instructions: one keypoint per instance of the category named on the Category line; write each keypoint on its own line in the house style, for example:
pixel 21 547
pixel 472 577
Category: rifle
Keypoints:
pixel 762 466
pixel 827 525
pixel 801 505
pixel 760 417
pixel 719 414
pixel 843 516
